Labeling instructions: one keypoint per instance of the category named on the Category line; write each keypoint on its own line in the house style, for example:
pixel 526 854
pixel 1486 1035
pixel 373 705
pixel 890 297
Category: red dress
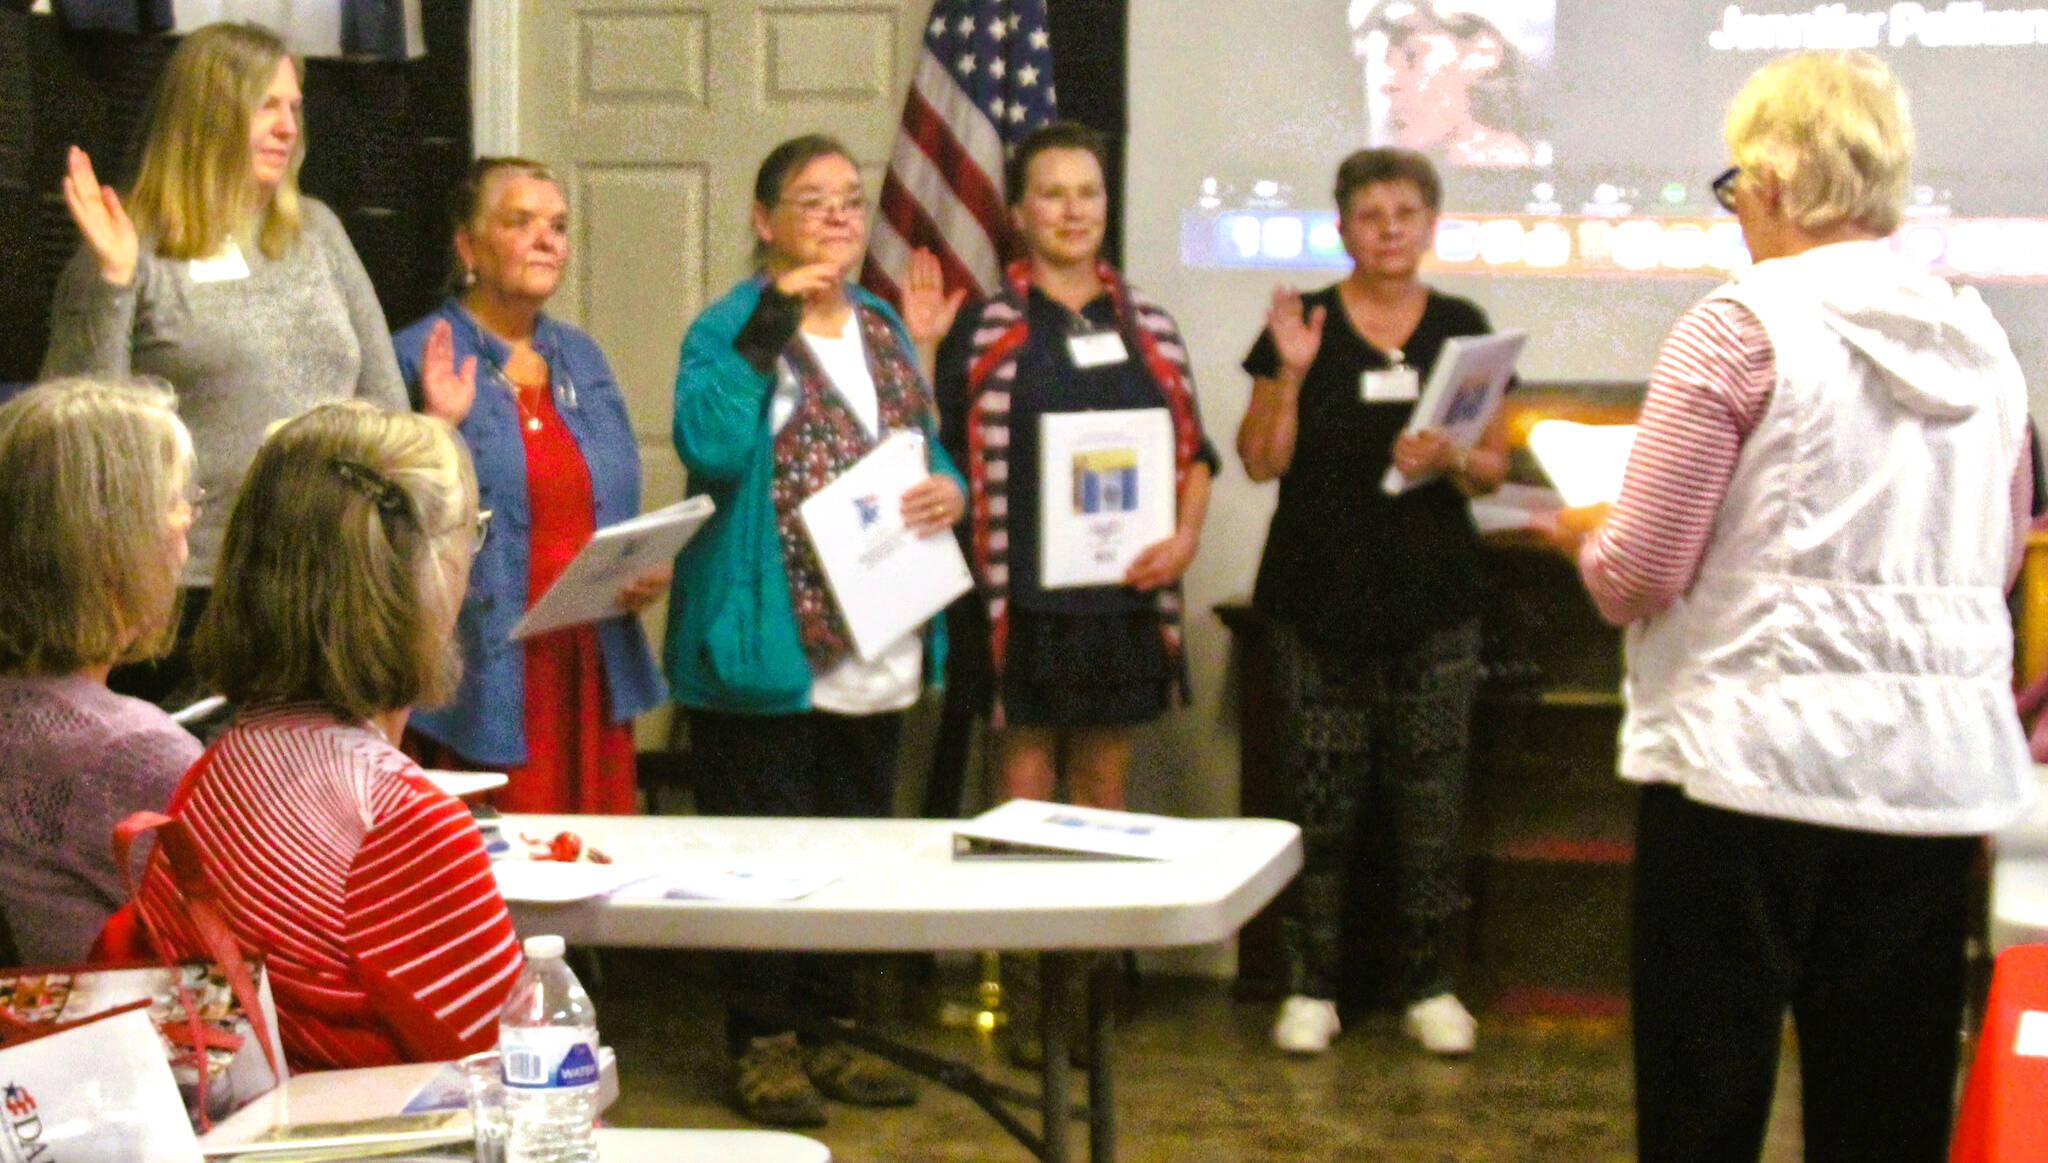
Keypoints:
pixel 577 760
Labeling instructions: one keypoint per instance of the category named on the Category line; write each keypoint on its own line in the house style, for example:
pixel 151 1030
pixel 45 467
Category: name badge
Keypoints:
pixel 1097 349
pixel 1398 385
pixel 226 266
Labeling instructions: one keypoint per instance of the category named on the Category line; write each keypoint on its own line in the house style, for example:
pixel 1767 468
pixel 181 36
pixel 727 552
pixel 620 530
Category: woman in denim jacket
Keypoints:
pixel 556 460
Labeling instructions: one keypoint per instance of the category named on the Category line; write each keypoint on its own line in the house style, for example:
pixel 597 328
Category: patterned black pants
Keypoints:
pixel 1389 731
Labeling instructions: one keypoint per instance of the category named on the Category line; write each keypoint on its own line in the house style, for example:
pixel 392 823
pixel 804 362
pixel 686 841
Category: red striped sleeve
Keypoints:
pixel 1711 383
pixel 366 891
pixel 426 925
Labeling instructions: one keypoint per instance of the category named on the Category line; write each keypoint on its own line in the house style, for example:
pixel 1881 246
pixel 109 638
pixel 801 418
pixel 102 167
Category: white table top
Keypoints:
pixel 902 890
pixel 620 1145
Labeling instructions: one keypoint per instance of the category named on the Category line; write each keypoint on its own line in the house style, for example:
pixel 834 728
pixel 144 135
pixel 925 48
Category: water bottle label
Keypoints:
pixel 579 1066
pixel 545 1059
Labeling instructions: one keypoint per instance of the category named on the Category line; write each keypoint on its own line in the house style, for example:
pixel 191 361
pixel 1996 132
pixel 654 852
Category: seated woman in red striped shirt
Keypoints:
pixel 366 889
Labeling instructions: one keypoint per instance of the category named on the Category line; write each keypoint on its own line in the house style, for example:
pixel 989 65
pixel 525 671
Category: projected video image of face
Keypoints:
pixel 1443 78
pixel 1574 137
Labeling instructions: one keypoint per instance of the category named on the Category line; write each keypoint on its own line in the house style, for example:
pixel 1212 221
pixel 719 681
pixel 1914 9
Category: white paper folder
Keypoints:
pixel 888 580
pixel 588 589
pixel 1464 391
pixel 1585 461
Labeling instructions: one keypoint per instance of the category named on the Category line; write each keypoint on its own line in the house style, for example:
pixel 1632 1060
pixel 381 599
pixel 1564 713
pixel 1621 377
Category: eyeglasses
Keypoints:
pixel 191 497
pixel 1724 188
pixel 482 530
pixel 820 209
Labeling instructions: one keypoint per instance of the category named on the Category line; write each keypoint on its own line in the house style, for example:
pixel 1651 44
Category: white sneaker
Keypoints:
pixel 1442 1024
pixel 1306 1025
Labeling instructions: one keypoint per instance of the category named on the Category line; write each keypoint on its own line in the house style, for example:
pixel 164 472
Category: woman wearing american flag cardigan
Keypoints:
pixel 1074 670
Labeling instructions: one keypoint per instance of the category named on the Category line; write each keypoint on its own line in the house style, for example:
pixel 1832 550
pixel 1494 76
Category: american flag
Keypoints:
pixel 983 81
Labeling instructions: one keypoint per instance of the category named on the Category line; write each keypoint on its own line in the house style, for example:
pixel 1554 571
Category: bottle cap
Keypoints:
pixel 545 946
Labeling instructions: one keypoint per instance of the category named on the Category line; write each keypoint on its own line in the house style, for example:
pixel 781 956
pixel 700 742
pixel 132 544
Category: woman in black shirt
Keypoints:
pixel 1373 598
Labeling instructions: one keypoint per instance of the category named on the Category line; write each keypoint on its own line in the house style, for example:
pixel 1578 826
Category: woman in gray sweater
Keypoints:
pixel 221 278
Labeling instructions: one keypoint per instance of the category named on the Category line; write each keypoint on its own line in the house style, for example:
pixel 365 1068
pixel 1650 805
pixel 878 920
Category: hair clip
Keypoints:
pixel 387 496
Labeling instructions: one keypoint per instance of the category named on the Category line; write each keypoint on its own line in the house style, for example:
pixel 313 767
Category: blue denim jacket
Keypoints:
pixel 486 721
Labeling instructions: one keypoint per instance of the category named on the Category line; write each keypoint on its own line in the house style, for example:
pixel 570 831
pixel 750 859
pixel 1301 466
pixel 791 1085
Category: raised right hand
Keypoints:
pixel 1297 338
pixel 446 390
pixel 101 220
pixel 807 281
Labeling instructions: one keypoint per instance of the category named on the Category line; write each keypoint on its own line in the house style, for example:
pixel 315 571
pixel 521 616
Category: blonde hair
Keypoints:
pixel 1835 129
pixel 89 472
pixel 197 186
pixel 336 581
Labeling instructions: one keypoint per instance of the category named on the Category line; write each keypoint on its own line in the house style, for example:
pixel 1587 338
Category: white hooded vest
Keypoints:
pixel 1845 655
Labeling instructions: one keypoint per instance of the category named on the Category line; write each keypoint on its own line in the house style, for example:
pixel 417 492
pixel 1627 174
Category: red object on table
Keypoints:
pixel 2004 1116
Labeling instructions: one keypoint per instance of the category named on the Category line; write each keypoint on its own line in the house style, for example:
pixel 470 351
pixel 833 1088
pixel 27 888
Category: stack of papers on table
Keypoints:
pixel 756 880
pixel 357 1139
pixel 1037 828
pixel 547 882
pixel 554 882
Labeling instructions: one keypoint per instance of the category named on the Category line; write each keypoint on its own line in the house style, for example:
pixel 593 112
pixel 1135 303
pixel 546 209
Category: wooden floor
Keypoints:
pixel 1197 1079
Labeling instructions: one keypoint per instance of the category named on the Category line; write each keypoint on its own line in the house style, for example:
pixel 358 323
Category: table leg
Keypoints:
pixel 1055 973
pixel 1101 1024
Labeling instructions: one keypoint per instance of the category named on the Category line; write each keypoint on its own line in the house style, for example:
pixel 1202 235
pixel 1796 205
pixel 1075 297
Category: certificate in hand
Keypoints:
pixel 887 579
pixel 1105 487
pixel 1463 393
pixel 588 589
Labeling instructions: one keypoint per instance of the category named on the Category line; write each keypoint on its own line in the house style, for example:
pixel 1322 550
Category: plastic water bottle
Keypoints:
pixel 547 1047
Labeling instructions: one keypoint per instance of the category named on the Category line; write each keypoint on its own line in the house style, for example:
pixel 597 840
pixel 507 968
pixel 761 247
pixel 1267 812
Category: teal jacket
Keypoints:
pixel 723 606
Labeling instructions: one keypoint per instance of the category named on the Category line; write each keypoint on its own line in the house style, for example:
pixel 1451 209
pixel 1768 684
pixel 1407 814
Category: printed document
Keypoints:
pixel 888 580
pixel 1584 461
pixel 1105 487
pixel 1464 392
pixel 1035 827
pixel 588 589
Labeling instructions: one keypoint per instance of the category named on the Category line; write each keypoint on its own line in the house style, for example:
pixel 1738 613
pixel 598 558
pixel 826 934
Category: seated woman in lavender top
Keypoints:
pixel 95 500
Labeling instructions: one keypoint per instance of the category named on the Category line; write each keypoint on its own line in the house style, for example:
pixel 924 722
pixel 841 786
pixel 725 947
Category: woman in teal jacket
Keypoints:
pixel 785 383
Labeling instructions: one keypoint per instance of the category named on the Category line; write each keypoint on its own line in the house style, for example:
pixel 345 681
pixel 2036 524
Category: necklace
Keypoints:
pixel 529 414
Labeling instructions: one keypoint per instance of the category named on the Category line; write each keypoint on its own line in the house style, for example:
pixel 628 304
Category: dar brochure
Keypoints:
pixel 1464 391
pixel 888 580
pixel 1106 493
pixel 588 589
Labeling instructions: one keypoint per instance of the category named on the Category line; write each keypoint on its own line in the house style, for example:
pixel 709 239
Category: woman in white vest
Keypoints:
pixel 1820 519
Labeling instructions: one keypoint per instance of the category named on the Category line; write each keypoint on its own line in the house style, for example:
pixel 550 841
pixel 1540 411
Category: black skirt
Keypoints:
pixel 1085 670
